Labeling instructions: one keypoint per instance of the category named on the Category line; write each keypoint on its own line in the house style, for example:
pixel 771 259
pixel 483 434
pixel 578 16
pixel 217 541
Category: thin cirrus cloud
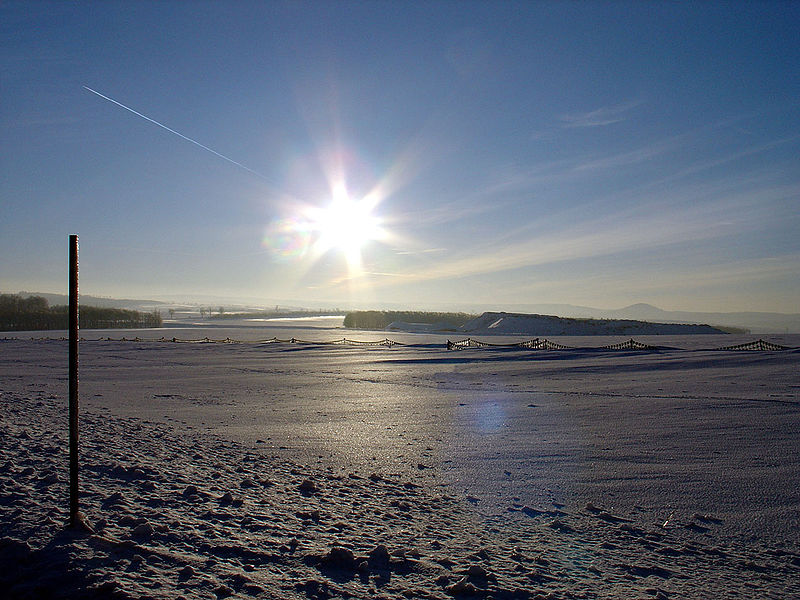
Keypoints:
pixel 734 156
pixel 599 117
pixel 697 211
pixel 675 280
pixel 448 213
pixel 656 148
pixel 736 273
pixel 591 239
pixel 686 216
pixel 633 157
pixel 566 171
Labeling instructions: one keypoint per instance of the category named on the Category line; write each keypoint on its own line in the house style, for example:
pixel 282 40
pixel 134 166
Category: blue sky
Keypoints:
pixel 502 154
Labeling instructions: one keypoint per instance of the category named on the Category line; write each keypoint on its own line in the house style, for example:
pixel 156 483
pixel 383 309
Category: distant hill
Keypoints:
pixel 761 322
pixel 757 322
pixel 405 320
pixel 501 323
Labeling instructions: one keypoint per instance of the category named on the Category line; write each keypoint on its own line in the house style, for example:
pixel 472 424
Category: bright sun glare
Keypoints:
pixel 346 225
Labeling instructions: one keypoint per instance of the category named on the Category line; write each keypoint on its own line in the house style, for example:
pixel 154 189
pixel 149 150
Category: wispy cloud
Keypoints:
pixel 744 153
pixel 698 210
pixel 670 212
pixel 736 273
pixel 635 156
pixel 448 212
pixel 725 283
pixel 672 277
pixel 632 230
pixel 599 117
pixel 423 251
pixel 589 240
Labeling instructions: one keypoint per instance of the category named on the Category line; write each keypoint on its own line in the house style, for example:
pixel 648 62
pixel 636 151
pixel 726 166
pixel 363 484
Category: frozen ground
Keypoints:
pixel 495 473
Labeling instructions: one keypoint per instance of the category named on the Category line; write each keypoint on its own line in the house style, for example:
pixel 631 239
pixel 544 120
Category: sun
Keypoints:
pixel 345 225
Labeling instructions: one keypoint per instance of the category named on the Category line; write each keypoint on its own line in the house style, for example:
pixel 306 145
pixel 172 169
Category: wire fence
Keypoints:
pixel 631 344
pixel 206 340
pixel 535 344
pixel 759 345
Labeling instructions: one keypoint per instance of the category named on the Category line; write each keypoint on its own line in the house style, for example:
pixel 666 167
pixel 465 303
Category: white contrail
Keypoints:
pixel 188 139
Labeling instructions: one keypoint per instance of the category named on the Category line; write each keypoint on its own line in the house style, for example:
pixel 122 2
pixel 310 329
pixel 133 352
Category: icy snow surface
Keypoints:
pixel 301 471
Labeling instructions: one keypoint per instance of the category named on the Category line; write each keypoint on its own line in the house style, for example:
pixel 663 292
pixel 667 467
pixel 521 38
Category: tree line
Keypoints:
pixel 33 313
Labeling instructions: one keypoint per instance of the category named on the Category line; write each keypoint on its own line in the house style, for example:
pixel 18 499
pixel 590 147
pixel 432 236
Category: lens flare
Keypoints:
pixel 288 239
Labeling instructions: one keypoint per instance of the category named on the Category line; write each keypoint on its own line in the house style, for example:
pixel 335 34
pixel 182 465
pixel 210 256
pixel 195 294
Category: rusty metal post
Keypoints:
pixel 73 380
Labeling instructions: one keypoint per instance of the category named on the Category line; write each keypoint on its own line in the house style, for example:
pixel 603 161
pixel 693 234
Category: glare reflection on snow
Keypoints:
pixel 488 416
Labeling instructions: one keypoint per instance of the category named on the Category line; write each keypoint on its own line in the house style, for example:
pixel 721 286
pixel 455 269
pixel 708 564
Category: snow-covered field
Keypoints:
pixel 293 471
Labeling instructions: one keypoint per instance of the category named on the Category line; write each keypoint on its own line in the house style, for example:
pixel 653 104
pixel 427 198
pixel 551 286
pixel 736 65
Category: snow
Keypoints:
pixel 418 327
pixel 494 323
pixel 286 471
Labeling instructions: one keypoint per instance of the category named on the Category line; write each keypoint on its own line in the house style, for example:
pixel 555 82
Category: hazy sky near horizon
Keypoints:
pixel 501 153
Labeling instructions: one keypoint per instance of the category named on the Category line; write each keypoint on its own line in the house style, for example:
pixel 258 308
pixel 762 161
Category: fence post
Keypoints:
pixel 73 380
